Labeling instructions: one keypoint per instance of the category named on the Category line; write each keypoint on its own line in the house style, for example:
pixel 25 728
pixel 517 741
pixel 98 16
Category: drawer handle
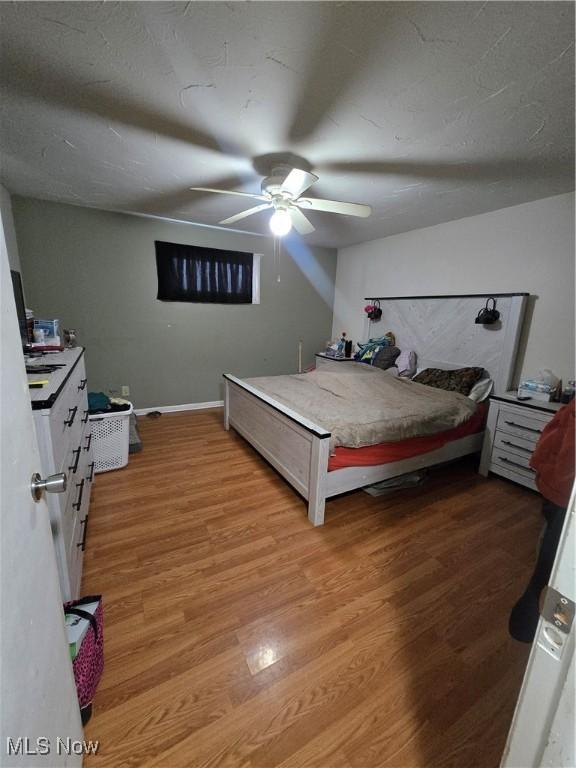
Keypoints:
pixel 71 416
pixel 74 466
pixel 85 417
pixel 88 442
pixel 82 544
pixel 82 384
pixel 523 426
pixel 520 447
pixel 91 475
pixel 78 503
pixel 515 464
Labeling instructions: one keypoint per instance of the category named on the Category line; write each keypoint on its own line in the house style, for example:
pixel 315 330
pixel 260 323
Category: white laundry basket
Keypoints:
pixel 110 439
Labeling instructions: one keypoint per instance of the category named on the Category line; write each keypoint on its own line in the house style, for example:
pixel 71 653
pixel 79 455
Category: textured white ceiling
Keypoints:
pixel 426 111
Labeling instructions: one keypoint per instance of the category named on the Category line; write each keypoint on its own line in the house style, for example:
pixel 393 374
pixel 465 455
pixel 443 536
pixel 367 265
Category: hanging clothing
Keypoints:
pixel 554 457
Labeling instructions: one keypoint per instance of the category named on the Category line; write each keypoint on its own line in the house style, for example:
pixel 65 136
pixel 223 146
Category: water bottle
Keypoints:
pixel 568 391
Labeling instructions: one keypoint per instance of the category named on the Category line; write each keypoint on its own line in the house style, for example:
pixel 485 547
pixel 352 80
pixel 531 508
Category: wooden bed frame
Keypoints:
pixel 299 449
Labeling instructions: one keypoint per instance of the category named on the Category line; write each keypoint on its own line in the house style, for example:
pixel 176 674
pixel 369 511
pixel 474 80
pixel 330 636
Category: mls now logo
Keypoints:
pixel 42 745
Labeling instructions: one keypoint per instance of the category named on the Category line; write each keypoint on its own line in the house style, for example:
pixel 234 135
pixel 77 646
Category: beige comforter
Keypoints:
pixel 361 405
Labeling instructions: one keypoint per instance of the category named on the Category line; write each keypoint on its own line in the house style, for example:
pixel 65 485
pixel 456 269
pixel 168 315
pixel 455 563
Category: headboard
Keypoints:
pixel 442 331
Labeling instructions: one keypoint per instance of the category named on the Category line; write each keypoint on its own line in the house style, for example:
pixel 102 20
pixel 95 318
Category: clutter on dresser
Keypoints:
pixel 70 338
pixel 546 387
pixel 568 392
pixel 341 348
pixel 46 335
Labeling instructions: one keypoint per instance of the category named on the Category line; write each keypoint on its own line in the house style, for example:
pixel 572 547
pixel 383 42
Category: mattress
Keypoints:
pixel 386 453
pixel 362 406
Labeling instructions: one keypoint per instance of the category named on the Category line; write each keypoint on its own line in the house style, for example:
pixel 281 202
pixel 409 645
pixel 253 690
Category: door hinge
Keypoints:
pixel 558 610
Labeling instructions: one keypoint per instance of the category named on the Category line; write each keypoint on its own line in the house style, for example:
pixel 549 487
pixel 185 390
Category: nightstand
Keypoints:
pixel 325 361
pixel 512 431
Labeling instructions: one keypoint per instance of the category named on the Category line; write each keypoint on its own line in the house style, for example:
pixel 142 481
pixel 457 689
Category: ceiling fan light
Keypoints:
pixel 280 222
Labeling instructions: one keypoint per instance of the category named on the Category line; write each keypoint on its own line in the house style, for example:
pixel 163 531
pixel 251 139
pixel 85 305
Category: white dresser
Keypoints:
pixel 60 411
pixel 512 431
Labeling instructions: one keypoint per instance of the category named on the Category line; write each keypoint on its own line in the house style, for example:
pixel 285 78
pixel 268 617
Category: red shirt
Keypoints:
pixel 554 457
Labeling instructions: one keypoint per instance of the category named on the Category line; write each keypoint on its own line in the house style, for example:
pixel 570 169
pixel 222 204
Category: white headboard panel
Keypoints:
pixel 442 331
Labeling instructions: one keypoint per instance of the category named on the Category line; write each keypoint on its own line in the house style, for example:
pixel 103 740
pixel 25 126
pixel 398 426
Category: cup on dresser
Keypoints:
pixel 70 339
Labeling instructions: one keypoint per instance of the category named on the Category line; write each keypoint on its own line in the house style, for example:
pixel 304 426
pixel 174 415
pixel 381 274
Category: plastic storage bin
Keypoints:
pixel 110 439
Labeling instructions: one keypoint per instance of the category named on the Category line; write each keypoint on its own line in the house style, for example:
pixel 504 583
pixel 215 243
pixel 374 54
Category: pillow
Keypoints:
pixel 460 380
pixel 481 390
pixel 406 363
pixel 385 357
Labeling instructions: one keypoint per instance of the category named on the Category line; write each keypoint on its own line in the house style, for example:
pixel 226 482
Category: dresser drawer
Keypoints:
pixel 514 444
pixel 513 462
pixel 66 419
pixel 80 487
pixel 77 541
pixel 523 425
pixel 514 467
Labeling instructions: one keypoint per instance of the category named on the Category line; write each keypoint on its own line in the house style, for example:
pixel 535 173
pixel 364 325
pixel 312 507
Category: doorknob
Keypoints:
pixel 52 484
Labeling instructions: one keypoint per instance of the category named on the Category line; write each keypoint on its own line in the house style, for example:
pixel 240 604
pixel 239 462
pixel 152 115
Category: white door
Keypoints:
pixel 38 704
pixel 542 731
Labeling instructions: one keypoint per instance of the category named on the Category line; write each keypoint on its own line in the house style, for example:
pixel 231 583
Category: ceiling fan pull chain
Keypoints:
pixel 279 258
pixel 277 246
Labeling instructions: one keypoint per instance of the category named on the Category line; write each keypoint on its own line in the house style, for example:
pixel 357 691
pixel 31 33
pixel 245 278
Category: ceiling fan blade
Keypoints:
pixel 334 206
pixel 68 91
pixel 351 34
pixel 297 181
pixel 484 169
pixel 228 192
pixel 244 214
pixel 300 222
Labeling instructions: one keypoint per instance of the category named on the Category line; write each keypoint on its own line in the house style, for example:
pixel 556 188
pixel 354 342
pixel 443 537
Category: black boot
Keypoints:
pixel 525 614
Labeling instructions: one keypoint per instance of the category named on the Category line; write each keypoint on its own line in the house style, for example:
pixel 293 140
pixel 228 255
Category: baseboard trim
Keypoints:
pixel 183 407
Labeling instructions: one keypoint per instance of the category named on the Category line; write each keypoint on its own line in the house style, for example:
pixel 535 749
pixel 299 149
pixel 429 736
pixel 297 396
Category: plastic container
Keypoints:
pixel 110 439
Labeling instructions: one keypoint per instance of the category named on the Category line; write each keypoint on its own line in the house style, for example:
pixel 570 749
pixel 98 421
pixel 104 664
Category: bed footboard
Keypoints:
pixel 295 447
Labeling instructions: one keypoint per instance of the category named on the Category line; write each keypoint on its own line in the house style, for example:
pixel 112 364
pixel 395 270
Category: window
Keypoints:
pixel 206 275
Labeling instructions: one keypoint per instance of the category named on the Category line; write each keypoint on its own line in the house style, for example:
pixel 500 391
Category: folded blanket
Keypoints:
pixel 362 405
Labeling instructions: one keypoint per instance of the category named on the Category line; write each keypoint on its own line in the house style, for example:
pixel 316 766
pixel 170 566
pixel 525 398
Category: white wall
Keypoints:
pixel 527 247
pixel 9 231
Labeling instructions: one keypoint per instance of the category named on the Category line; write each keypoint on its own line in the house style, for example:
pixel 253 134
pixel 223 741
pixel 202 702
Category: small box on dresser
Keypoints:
pixel 63 430
pixel 512 431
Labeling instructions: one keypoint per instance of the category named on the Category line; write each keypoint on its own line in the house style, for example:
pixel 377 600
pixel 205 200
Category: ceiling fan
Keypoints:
pixel 282 191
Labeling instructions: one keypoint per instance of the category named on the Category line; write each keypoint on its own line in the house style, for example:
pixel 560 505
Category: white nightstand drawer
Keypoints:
pixel 516 477
pixel 512 462
pixel 527 426
pixel 514 444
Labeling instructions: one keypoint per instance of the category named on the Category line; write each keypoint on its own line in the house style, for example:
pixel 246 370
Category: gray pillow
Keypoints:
pixel 385 357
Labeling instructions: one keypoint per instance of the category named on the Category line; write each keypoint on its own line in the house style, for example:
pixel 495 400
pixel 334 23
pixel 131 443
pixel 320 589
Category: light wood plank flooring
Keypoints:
pixel 239 635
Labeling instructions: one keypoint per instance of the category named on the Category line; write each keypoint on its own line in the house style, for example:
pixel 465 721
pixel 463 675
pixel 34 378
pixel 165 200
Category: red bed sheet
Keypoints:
pixel 385 453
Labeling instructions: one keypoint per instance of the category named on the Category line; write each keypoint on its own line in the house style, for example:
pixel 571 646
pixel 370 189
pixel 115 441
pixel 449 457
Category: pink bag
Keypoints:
pixel 89 661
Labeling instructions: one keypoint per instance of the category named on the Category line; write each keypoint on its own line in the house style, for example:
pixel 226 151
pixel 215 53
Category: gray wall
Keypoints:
pixel 8 226
pixel 527 247
pixel 96 272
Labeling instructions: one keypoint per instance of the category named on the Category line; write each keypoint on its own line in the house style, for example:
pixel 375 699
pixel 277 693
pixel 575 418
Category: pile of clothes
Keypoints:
pixel 98 402
pixel 368 351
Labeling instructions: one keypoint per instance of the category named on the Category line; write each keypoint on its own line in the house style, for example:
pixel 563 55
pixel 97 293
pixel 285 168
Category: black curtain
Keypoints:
pixel 208 275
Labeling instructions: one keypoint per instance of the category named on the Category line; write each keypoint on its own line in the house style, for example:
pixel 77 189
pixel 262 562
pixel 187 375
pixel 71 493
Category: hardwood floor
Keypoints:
pixel 239 635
